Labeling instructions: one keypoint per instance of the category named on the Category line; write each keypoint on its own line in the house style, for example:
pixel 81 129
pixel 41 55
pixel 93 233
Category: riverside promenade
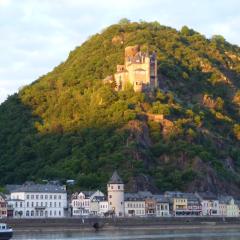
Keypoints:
pixel 78 224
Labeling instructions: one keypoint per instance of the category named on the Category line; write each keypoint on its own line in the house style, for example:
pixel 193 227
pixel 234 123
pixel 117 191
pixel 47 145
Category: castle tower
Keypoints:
pixel 115 189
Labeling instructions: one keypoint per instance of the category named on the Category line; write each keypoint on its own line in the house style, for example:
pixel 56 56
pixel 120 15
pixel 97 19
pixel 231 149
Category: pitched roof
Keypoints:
pixel 161 198
pixel 46 188
pixel 115 179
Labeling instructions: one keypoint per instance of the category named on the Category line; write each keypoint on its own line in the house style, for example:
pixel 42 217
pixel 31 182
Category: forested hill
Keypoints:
pixel 69 125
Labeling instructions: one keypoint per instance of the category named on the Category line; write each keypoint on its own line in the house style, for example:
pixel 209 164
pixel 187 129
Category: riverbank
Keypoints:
pixel 86 224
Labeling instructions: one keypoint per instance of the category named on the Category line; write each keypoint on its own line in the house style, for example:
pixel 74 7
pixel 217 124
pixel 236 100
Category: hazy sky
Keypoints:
pixel 36 35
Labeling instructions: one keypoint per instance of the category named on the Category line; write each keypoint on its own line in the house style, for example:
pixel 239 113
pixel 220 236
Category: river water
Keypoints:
pixel 144 234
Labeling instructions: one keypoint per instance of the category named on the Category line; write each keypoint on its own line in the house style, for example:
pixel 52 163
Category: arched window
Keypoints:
pixel 32 213
pixel 27 213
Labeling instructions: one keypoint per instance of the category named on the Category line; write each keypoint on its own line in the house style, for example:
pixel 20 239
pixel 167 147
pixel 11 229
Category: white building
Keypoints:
pixel 134 205
pixel 81 203
pixel 232 209
pixel 39 201
pixel 162 206
pixel 210 204
pixel 115 189
pixel 103 208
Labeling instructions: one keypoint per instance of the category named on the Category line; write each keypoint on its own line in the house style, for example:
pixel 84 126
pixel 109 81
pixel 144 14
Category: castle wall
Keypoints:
pixel 139 70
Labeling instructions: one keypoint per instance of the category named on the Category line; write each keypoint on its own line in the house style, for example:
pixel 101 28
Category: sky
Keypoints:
pixel 37 35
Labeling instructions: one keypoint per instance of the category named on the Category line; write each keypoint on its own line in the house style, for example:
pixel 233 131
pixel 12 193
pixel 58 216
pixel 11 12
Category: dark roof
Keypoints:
pixel 133 197
pixel 2 196
pixel 161 198
pixel 225 199
pixel 145 194
pixel 206 196
pixel 99 198
pixel 115 179
pixel 47 188
pixel 10 187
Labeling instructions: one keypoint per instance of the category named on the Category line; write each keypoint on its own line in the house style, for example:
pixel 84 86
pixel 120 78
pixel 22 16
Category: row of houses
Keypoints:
pixel 52 201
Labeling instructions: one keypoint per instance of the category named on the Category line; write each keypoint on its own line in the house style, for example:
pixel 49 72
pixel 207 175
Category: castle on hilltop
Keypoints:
pixel 139 71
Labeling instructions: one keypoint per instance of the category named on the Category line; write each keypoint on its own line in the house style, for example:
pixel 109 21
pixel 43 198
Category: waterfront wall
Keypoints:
pixel 87 223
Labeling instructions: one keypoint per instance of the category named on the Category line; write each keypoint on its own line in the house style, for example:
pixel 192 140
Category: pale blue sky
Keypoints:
pixel 36 35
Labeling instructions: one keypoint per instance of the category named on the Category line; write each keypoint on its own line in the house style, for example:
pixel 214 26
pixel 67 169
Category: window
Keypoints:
pixel 41 196
pixel 59 197
pixel 118 187
pixel 59 204
pixel 55 204
pixel 36 196
pixel 32 204
pixel 27 204
pixel 27 196
pixel 111 187
pixel 59 213
pixel 27 213
pixel 32 213
pixel 55 196
pixel 110 196
pixel 50 196
pixel 32 196
pixel 46 196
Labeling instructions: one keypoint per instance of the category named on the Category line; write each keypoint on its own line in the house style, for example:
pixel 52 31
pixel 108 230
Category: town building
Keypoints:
pixel 138 71
pixel 210 204
pixel 38 201
pixel 134 205
pixel 3 206
pixel 115 188
pixel 81 202
pixel 162 206
pixel 231 209
pixel 103 208
pixel 194 206
pixel 178 203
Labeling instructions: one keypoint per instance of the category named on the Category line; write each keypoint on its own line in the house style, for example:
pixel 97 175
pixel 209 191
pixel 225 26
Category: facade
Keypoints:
pixel 178 203
pixel 134 205
pixel 3 206
pixel 81 203
pixel 103 208
pixel 139 71
pixel 150 204
pixel 162 206
pixel 232 209
pixel 194 206
pixel 39 201
pixel 115 188
pixel 210 204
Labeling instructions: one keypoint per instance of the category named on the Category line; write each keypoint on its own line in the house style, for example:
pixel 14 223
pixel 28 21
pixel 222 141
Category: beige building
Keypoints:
pixel 115 189
pixel 139 71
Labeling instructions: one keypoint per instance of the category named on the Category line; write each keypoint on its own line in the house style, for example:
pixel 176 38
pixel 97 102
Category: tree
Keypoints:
pixel 124 21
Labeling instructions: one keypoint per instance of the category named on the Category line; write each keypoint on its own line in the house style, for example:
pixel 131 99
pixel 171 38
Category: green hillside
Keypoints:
pixel 69 125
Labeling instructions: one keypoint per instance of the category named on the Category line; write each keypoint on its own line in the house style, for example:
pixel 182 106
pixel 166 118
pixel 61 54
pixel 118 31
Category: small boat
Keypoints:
pixel 5 232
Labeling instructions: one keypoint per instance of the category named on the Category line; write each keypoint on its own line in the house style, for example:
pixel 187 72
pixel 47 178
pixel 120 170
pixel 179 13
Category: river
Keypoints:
pixel 144 234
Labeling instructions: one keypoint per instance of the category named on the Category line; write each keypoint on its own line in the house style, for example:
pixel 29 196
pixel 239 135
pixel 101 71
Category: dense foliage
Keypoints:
pixel 69 125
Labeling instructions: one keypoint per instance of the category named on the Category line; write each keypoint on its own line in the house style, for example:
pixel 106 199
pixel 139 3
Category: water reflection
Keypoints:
pixel 230 234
